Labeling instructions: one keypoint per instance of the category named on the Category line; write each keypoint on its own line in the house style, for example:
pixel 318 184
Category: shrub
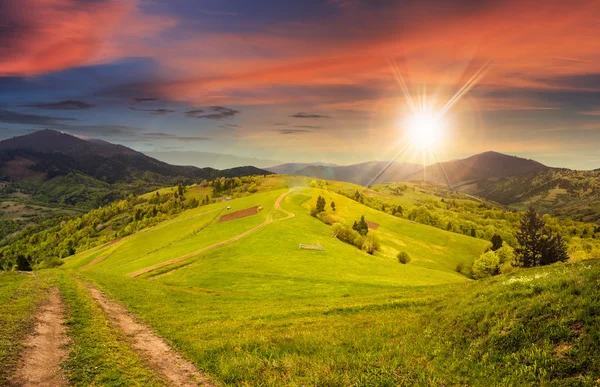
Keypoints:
pixel 344 233
pixel 486 265
pixel 403 257
pixel 371 243
pixel 359 240
pixel 460 267
pixel 326 218
pixel 506 254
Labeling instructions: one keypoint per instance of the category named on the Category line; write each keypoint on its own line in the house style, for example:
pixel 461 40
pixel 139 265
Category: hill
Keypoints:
pixel 456 173
pixel 459 174
pixel 240 299
pixel 47 174
pixel 49 153
pixel 560 192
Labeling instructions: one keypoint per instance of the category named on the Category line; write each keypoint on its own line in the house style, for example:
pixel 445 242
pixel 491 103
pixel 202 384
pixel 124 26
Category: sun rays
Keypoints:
pixel 425 129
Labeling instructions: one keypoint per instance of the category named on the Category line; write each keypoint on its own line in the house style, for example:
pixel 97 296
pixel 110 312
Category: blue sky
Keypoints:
pixel 305 81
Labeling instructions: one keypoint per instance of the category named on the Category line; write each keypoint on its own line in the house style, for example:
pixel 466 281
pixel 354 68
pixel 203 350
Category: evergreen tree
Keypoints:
pixel 321 204
pixel 529 238
pixel 361 226
pixel 496 242
pixel 537 247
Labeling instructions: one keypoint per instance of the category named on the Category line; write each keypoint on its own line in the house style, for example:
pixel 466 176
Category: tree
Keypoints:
pixel 320 204
pixel 23 263
pixel 473 232
pixel 487 265
pixel 537 247
pixel 361 227
pixel 398 211
pixel 553 250
pixel 496 242
pixel 181 189
pixel 333 206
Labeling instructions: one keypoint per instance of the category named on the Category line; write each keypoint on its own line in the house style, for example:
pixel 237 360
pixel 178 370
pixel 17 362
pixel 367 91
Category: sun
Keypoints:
pixel 425 130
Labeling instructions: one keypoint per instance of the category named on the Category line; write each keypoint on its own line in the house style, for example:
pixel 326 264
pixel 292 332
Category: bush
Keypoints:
pixel 487 265
pixel 359 241
pixel 403 257
pixel 344 233
pixel 460 267
pixel 371 243
pixel 328 219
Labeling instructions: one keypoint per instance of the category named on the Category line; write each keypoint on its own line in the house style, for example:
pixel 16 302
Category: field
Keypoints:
pixel 246 306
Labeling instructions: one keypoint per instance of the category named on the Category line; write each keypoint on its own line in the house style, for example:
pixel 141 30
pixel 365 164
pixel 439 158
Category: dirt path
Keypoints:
pixel 160 356
pixel 220 244
pixel 44 352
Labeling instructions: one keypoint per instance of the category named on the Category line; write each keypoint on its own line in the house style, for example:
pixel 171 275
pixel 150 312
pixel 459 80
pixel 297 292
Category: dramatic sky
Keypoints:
pixel 305 80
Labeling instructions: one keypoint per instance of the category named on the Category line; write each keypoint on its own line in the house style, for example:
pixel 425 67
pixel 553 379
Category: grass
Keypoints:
pixel 260 311
pixel 99 354
pixel 171 239
pixel 20 293
pixel 533 327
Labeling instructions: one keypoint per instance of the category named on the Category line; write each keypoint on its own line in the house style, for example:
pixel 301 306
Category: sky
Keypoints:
pixel 306 81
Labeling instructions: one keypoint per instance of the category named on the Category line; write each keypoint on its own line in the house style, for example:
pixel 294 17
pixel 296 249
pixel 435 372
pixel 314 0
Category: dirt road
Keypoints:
pixel 160 356
pixel 40 363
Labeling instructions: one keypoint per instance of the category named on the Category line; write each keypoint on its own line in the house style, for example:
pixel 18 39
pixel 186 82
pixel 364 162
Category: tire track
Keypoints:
pixel 220 244
pixel 152 348
pixel 44 352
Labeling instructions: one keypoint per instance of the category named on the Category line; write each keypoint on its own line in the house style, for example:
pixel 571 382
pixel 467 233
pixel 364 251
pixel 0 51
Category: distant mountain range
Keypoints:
pixel 57 167
pixel 509 180
pixel 209 159
pixel 454 174
pixel 60 168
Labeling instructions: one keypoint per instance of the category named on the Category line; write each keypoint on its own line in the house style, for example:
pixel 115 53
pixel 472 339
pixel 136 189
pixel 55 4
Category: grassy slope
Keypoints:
pixel 260 309
pixel 176 237
pixel 20 293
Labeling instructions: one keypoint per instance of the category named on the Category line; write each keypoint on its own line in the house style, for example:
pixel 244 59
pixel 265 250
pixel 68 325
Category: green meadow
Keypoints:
pixel 258 310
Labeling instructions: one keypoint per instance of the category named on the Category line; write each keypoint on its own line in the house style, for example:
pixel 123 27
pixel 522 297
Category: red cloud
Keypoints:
pixel 40 36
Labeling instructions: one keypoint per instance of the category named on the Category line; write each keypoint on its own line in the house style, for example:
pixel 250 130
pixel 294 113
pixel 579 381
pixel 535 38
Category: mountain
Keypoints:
pixel 464 174
pixel 459 173
pixel 558 191
pixel 209 159
pixel 57 167
pixel 362 173
pixel 294 168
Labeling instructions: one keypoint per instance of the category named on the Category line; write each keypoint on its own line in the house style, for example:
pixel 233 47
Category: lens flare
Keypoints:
pixel 425 130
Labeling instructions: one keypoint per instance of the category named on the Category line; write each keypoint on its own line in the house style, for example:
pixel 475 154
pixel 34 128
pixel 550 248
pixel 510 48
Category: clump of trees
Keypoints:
pixel 369 243
pixel 236 186
pixel 536 247
pixel 361 226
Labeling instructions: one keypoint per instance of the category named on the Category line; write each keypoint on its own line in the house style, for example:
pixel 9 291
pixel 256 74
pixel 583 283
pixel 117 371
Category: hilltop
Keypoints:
pixel 458 174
